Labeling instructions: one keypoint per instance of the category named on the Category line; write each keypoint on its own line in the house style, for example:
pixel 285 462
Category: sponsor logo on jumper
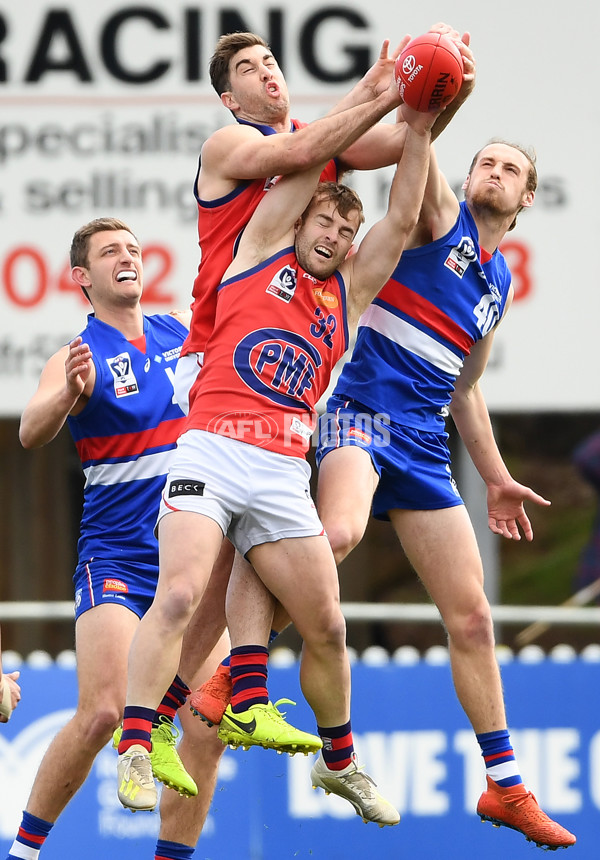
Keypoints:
pixel 278 364
pixel 298 427
pixel 124 379
pixel 283 284
pixel 324 298
pixel 186 487
pixel 115 585
pixel 172 354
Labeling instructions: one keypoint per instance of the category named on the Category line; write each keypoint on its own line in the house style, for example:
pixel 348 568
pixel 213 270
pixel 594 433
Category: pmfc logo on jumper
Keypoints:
pixel 124 377
pixel 278 364
pixel 253 427
pixel 283 284
pixel 460 256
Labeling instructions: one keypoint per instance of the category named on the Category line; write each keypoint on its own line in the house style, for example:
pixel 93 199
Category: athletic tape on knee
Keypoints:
pixel 5 704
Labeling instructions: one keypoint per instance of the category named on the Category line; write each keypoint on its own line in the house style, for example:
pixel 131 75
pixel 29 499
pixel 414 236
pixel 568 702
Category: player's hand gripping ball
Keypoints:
pixel 429 72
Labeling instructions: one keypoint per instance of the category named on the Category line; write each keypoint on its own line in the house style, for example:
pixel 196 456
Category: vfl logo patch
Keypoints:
pixel 277 364
pixel 115 585
pixel 186 488
pixel 283 284
pixel 123 376
pixel 461 256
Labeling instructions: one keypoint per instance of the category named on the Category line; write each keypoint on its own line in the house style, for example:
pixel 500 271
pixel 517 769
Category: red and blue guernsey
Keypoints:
pixel 124 436
pixel 278 334
pixel 220 225
pixel 414 337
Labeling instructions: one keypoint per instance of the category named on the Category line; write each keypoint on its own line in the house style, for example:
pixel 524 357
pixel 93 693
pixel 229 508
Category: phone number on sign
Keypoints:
pixel 28 279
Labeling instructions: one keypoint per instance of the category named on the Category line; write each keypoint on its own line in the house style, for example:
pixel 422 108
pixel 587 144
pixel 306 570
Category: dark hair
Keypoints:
pixel 227 46
pixel 530 155
pixel 344 198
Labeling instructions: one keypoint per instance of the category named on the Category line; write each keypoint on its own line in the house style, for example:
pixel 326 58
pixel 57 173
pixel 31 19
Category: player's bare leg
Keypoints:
pixel 254 616
pixel 189 545
pixel 103 636
pixel 345 512
pixel 442 548
pixel 207 625
pixel 301 573
pixel 182 819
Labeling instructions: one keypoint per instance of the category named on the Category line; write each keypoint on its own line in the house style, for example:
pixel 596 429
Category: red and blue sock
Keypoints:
pixel 338 746
pixel 137 728
pixel 272 636
pixel 173 699
pixel 172 851
pixel 500 762
pixel 248 668
pixel 30 838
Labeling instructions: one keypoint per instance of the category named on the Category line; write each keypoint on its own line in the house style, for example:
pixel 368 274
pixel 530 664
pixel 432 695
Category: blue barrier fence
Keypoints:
pixel 410 733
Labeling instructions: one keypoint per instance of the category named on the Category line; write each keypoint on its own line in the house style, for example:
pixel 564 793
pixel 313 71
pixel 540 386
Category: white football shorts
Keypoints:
pixel 256 496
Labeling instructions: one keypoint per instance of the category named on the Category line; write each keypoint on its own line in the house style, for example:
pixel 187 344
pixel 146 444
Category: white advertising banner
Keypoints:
pixel 104 108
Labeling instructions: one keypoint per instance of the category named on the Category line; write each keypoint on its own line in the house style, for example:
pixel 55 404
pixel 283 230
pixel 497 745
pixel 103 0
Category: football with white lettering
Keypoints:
pixel 429 72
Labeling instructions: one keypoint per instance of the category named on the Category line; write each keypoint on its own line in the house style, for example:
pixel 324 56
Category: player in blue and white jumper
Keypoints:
pixel 421 349
pixel 113 385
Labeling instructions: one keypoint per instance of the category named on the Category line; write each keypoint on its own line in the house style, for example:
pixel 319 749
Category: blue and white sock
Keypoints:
pixel 30 838
pixel 500 762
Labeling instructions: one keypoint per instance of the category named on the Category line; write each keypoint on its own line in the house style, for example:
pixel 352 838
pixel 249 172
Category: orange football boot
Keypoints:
pixel 210 700
pixel 517 808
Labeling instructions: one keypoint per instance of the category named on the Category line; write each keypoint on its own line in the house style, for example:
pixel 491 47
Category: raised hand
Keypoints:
pixel 381 74
pixel 77 366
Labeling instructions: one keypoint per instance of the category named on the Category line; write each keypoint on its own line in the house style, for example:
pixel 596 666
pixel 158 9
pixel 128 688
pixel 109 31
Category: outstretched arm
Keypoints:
pixel 65 384
pixel 505 496
pixel 368 270
pixel 238 152
pixel 271 226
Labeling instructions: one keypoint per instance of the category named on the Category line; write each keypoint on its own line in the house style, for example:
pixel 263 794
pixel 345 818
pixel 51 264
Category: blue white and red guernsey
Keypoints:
pixel 125 436
pixel 413 339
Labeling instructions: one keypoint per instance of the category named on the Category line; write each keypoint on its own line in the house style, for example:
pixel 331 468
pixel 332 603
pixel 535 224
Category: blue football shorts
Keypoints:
pixel 413 465
pixel 129 584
